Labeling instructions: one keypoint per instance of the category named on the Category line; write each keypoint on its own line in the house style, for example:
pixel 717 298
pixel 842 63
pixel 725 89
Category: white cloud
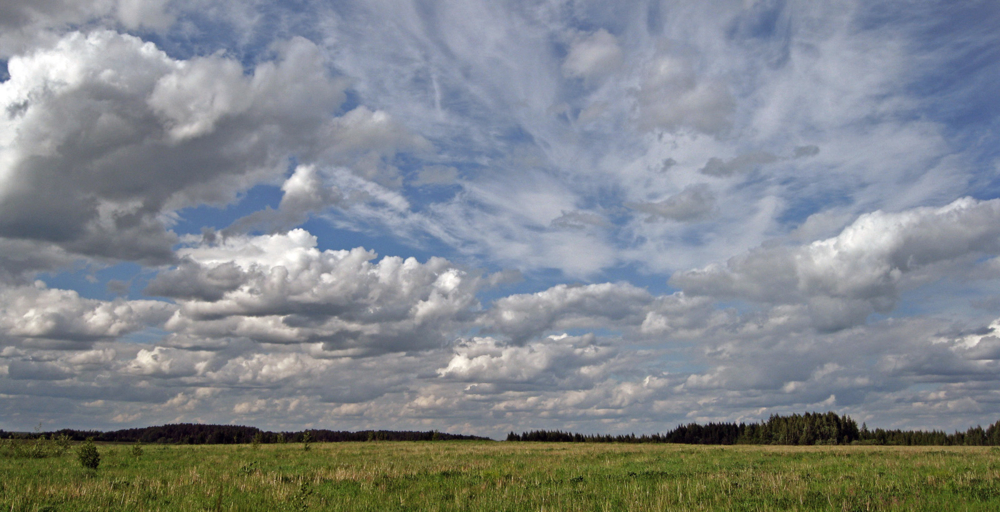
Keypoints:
pixel 860 271
pixel 593 56
pixel 524 316
pixel 94 109
pixel 550 363
pixel 52 316
pixel 168 362
pixel 196 95
pixel 280 288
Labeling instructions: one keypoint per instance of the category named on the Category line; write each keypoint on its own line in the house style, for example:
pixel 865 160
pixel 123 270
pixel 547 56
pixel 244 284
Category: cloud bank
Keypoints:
pixel 483 217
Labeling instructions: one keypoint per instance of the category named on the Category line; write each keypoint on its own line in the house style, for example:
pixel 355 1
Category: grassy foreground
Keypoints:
pixel 507 476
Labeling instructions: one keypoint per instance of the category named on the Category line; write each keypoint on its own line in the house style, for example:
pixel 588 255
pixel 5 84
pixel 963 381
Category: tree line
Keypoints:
pixel 810 428
pixel 193 433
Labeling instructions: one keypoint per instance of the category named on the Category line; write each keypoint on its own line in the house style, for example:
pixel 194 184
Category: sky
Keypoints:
pixel 483 216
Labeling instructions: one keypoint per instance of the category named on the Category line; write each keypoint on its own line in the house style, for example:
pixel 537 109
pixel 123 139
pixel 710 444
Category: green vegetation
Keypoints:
pixel 508 476
pixel 88 455
pixel 137 449
pixel 39 448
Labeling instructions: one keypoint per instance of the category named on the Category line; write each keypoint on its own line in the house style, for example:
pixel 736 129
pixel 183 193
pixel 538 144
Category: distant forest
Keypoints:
pixel 191 433
pixel 804 429
pixel 797 429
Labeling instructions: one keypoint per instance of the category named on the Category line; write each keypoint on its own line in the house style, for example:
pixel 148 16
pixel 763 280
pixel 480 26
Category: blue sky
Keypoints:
pixel 489 216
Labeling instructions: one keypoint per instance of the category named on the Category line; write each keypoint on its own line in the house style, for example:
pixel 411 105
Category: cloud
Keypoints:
pixel 860 271
pixel 695 202
pixel 555 362
pixel 306 192
pixel 593 56
pixel 19 370
pixel 281 289
pixel 673 97
pixel 59 317
pixel 41 22
pixel 109 134
pixel 570 137
pixel 151 14
pixel 366 141
pixel 740 164
pixel 169 362
pixel 579 220
pixel 805 151
pixel 522 317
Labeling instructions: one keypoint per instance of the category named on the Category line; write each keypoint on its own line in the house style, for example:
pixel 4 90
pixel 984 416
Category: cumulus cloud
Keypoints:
pixel 521 317
pixel 280 288
pixel 107 133
pixel 860 271
pixel 306 192
pixel 555 362
pixel 58 317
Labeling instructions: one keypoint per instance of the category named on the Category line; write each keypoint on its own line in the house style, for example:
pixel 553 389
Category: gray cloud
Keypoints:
pixel 110 133
pixel 579 220
pixel 805 151
pixel 740 164
pixel 695 202
pixel 673 96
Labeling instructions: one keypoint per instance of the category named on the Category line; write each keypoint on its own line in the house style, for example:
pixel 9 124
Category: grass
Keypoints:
pixel 507 476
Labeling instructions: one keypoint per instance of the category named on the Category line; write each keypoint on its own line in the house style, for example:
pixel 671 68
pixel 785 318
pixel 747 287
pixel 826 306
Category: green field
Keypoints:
pixel 383 476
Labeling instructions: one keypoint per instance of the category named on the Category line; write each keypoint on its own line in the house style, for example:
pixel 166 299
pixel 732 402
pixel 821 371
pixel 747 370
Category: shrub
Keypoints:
pixel 88 454
pixel 62 444
pixel 137 449
pixel 39 448
pixel 306 439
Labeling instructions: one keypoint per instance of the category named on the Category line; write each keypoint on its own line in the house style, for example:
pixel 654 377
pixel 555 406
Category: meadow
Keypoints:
pixel 497 476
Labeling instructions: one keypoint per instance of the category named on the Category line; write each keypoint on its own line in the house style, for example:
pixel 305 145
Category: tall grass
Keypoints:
pixel 508 476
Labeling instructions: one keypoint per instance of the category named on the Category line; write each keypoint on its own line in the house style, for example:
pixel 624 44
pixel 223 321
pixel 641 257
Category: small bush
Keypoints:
pixel 306 440
pixel 137 449
pixel 88 454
